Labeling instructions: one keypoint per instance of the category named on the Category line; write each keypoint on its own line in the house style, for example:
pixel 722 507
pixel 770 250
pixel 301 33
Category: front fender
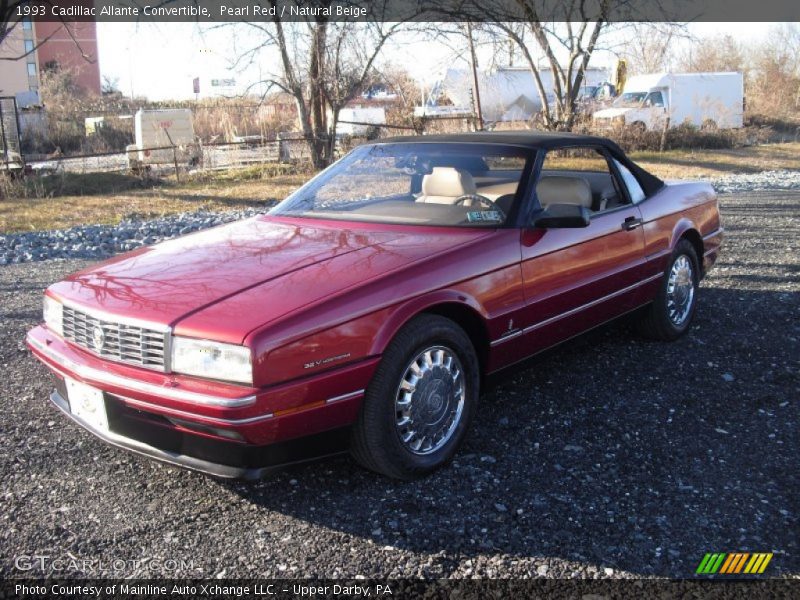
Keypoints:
pixel 408 310
pixel 359 339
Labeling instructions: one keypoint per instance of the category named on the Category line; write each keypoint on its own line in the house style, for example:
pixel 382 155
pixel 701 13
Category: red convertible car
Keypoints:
pixel 364 311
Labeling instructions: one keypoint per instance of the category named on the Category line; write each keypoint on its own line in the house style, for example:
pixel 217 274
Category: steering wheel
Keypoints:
pixel 470 200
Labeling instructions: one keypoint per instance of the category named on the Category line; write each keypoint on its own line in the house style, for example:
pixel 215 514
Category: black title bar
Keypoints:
pixel 215 11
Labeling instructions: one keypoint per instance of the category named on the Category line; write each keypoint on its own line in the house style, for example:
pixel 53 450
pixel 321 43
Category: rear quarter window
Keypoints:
pixel 635 190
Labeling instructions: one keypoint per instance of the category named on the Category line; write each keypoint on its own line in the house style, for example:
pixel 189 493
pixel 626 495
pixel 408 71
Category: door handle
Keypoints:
pixel 631 223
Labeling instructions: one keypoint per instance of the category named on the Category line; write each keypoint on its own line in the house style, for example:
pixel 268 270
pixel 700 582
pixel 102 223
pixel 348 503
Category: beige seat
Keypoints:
pixel 496 190
pixel 554 189
pixel 444 185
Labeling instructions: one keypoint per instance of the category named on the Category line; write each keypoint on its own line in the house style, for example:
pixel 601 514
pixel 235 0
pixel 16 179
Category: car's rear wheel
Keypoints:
pixel 419 403
pixel 672 311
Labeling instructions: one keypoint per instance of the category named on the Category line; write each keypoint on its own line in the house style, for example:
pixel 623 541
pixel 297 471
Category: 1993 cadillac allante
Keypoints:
pixel 364 310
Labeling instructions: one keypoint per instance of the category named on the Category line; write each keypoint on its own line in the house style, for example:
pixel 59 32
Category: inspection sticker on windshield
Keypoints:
pixel 484 215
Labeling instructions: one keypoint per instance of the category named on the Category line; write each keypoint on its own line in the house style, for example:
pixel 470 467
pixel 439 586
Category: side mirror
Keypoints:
pixel 557 216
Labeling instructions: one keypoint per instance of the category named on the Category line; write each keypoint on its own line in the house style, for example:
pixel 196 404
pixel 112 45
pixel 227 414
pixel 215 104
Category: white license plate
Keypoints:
pixel 86 402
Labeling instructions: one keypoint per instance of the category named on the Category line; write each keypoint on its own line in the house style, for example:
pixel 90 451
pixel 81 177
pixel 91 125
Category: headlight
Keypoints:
pixel 212 359
pixel 53 315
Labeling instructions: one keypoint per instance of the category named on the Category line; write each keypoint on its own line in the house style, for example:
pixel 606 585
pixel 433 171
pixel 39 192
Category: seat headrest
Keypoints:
pixel 447 181
pixel 554 189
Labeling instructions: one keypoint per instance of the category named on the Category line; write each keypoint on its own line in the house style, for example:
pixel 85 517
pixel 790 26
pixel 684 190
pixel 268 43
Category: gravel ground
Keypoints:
pixel 783 179
pixel 608 457
pixel 103 241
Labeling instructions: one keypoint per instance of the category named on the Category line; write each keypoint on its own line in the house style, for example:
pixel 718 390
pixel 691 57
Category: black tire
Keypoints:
pixel 376 443
pixel 656 322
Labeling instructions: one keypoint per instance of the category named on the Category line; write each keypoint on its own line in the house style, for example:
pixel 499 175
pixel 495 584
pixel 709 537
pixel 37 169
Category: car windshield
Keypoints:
pixel 630 99
pixel 444 184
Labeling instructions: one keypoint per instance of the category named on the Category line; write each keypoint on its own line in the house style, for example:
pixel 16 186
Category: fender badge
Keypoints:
pixel 325 361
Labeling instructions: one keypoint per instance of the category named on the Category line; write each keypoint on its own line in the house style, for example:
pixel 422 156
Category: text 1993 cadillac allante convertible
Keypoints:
pixel 364 311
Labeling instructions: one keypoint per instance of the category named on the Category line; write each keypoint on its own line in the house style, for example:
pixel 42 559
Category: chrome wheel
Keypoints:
pixel 680 290
pixel 430 400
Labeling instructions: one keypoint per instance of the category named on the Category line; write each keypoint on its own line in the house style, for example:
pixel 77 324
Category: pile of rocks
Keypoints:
pixel 102 241
pixel 753 182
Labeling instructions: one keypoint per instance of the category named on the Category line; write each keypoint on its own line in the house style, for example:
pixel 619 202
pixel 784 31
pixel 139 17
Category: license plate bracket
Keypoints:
pixel 87 403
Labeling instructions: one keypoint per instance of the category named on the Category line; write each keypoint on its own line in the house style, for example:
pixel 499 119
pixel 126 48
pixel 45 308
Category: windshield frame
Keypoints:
pixel 478 148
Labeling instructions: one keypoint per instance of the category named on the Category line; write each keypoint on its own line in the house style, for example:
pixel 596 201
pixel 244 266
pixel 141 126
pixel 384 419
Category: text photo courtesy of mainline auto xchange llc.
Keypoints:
pixel 399 298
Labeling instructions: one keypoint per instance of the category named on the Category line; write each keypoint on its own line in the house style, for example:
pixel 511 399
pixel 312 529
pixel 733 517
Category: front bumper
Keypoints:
pixel 222 429
pixel 183 449
pixel 608 124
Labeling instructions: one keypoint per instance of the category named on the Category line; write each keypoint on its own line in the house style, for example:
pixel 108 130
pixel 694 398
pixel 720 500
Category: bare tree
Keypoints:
pixel 648 47
pixel 110 86
pixel 566 49
pixel 717 53
pixel 561 42
pixel 773 77
pixel 322 64
pixel 350 59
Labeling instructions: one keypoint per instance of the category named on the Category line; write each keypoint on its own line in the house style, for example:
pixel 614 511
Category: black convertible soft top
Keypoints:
pixel 539 140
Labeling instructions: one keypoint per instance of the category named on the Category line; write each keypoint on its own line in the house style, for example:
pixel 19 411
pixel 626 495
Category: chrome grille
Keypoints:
pixel 119 341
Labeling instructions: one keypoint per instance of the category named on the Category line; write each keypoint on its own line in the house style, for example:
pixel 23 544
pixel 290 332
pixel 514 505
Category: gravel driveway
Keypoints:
pixel 607 457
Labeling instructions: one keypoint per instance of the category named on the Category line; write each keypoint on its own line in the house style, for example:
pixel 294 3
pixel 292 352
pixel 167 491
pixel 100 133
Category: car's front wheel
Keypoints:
pixel 418 405
pixel 672 311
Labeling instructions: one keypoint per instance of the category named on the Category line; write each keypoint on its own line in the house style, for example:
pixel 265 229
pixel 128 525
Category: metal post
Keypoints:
pixel 175 160
pixel 6 155
pixel 174 154
pixel 663 143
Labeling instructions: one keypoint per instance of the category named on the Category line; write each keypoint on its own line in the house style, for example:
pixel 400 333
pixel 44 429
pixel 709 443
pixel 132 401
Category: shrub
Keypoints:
pixel 683 136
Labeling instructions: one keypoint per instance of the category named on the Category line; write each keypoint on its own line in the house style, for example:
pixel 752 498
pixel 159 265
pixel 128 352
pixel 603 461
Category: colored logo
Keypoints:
pixel 734 563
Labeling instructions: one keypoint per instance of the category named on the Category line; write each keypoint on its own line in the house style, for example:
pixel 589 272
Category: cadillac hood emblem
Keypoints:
pixel 98 338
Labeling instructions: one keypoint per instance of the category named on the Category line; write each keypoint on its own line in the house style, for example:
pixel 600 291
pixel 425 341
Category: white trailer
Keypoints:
pixel 357 120
pixel 507 93
pixel 710 100
pixel 163 137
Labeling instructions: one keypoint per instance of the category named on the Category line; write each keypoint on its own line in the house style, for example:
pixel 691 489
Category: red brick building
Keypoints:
pixel 70 46
pixel 36 46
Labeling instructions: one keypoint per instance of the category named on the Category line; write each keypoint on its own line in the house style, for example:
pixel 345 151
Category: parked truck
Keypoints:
pixel 707 100
pixel 163 136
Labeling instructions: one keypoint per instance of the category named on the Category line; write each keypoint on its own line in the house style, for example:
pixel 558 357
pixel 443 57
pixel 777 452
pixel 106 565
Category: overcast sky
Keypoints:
pixel 159 60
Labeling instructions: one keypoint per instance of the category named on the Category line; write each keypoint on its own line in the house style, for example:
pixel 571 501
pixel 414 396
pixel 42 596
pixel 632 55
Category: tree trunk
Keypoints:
pixel 316 96
pixel 332 133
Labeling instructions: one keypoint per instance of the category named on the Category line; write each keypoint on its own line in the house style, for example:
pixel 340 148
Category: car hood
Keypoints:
pixel 168 282
pixel 610 113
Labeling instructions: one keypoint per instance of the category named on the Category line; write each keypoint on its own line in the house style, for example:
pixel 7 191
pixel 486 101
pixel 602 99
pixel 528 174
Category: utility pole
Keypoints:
pixel 477 95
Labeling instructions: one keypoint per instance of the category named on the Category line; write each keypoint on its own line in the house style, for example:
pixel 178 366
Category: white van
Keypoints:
pixel 157 132
pixel 710 100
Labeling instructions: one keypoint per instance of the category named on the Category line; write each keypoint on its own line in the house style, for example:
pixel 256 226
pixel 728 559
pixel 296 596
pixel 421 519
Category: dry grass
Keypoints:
pixel 688 164
pixel 693 164
pixel 253 187
pixel 225 191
